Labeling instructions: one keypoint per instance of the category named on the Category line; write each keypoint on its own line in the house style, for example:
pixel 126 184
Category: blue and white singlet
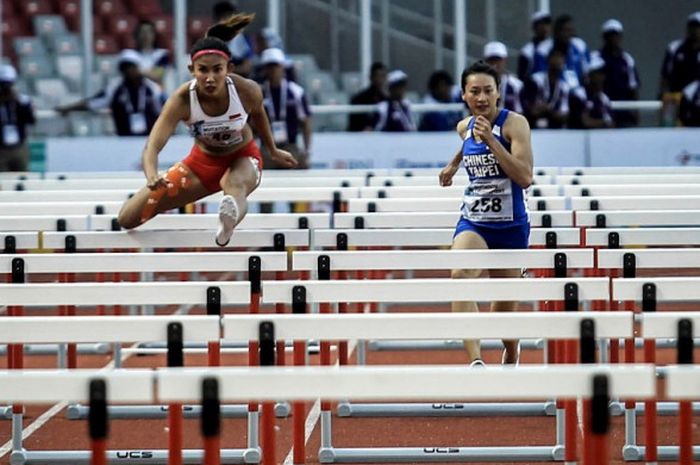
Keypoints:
pixel 491 199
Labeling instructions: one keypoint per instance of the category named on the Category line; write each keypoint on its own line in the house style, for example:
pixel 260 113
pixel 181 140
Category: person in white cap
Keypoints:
pixel 16 113
pixel 135 100
pixel 541 22
pixel 395 113
pixel 589 106
pixel 680 67
pixel 287 109
pixel 496 55
pixel 220 109
pixel 546 93
pixel 689 113
pixel 621 76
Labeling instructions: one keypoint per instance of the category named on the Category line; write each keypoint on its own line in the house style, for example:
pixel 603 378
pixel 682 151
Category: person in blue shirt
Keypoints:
pixel 440 87
pixel 541 22
pixel 575 49
pixel 497 155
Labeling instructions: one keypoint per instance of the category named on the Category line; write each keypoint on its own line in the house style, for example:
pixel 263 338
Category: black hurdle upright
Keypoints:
pixel 266 338
pixel 211 421
pixel 98 421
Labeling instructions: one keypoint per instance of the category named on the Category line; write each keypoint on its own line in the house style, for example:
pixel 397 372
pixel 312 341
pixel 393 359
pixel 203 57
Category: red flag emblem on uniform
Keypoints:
pixel 236 116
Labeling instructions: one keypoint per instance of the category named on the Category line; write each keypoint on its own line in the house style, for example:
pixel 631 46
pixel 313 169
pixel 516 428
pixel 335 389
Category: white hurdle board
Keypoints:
pixel 23 240
pixel 211 221
pixel 48 386
pixel 405 382
pixel 629 179
pixel 433 191
pixel 683 382
pixel 441 259
pixel 667 289
pixel 631 189
pixel 519 325
pixel 137 239
pixel 422 237
pixel 144 262
pixel 59 208
pixel 435 290
pixel 624 170
pixel 435 219
pixel 43 223
pixel 640 218
pixel 300 194
pixel 642 202
pixel 650 258
pixel 644 236
pixel 665 324
pixel 153 293
pixel 98 195
pixel 76 329
pixel 432 180
pixel 417 204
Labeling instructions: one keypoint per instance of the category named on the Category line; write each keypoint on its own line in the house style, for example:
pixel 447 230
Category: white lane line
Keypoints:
pixel 314 415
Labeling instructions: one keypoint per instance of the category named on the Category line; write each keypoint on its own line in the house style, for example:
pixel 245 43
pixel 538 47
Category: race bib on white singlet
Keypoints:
pixel 488 200
pixel 219 133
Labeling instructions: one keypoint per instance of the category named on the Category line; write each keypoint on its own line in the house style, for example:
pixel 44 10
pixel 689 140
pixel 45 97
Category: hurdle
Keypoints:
pixel 650 291
pixel 421 180
pixel 209 221
pixel 547 219
pixel 616 218
pixel 114 263
pixel 617 237
pixel 12 242
pixel 669 178
pixel 628 190
pixel 433 290
pixel 424 237
pixel 128 293
pixel 433 191
pixel 438 204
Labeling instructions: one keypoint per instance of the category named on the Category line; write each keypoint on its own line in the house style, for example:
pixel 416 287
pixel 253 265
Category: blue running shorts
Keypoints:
pixel 513 237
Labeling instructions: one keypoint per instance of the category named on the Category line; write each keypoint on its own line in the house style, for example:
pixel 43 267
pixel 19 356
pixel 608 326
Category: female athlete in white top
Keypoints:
pixel 216 106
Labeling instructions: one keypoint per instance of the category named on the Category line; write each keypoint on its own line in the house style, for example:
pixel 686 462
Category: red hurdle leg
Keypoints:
pixel 685 422
pixel 343 354
pixel 650 436
pixel 280 308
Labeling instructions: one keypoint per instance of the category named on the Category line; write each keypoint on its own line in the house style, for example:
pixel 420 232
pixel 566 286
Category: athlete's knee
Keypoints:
pixel 127 220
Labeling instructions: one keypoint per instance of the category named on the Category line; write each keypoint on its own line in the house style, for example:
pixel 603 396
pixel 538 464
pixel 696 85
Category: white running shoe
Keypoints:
pixel 517 356
pixel 477 363
pixel 228 218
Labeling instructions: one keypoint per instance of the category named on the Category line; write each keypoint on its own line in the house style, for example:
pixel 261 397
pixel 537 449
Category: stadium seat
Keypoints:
pixel 48 25
pixel 66 44
pixel 106 44
pixel 70 10
pixel 304 64
pixel 144 9
pixel 29 46
pixel 107 8
pixel 35 66
pixel 30 8
pixel 51 92
pixel 351 81
pixel 106 64
pixel 70 68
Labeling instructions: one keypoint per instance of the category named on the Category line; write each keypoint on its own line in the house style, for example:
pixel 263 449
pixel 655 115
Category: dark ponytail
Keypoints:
pixel 218 36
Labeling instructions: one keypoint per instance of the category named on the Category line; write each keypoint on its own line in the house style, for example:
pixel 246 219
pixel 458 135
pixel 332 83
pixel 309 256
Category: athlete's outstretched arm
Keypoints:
pixel 448 172
pixel 174 110
pixel 518 162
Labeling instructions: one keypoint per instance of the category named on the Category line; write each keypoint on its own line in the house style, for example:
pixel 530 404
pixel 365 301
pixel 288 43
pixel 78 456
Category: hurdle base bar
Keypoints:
pixel 152 412
pixel 476 409
pixel 142 456
pixel 664 453
pixel 440 454
pixel 52 349
pixel 662 408
pixel 486 344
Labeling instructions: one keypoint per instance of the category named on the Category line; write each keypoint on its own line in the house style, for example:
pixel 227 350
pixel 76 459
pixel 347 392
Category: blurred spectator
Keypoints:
pixel 395 113
pixel 575 49
pixel 135 100
pixel 680 67
pixel 370 96
pixel 621 77
pixel 287 109
pixel 495 55
pixel 241 46
pixel 269 38
pixel 16 114
pixel 589 106
pixel 546 94
pixel 690 104
pixel 440 87
pixel 154 60
pixel 541 22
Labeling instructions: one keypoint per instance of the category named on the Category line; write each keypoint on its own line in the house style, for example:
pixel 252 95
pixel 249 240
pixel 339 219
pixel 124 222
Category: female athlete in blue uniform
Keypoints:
pixel 497 155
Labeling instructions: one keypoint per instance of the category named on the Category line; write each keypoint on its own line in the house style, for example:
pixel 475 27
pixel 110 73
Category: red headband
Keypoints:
pixel 207 51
